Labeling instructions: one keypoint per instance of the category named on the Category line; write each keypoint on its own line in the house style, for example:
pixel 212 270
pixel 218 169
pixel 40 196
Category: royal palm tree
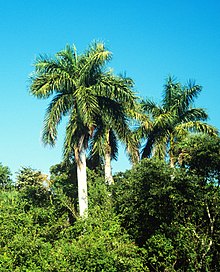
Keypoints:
pixel 81 89
pixel 104 148
pixel 104 144
pixel 172 120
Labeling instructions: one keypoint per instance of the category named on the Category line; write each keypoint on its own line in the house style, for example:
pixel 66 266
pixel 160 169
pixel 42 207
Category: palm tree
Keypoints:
pixel 109 131
pixel 104 148
pixel 104 144
pixel 172 120
pixel 82 90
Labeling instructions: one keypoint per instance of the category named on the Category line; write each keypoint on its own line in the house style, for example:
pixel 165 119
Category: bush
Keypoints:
pixel 171 214
pixel 41 238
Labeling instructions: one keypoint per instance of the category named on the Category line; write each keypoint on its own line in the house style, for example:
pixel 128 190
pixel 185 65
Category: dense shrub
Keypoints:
pixel 172 214
pixel 41 238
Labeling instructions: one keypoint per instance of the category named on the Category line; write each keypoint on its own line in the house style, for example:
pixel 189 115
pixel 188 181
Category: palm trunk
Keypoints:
pixel 135 157
pixel 108 170
pixel 80 155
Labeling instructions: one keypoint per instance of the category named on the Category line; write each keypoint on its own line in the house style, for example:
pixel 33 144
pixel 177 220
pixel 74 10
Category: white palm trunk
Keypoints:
pixel 82 183
pixel 108 170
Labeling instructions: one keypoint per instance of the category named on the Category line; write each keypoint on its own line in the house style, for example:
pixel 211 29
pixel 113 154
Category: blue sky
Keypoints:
pixel 149 40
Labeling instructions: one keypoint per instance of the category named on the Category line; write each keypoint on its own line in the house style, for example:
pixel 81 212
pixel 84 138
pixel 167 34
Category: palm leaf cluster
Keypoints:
pixel 82 90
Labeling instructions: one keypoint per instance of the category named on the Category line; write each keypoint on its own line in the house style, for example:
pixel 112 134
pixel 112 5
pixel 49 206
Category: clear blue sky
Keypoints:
pixel 149 40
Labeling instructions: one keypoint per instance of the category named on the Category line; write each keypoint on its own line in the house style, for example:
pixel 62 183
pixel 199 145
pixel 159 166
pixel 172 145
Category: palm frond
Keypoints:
pixel 96 143
pixel 45 64
pixel 164 121
pixel 132 142
pixel 198 126
pixel 58 108
pixel 148 147
pixel 112 109
pixel 92 62
pixel 87 105
pixel 172 90
pixel 68 58
pixel 187 96
pixel 103 138
pixel 194 114
pixel 152 108
pixel 117 88
pixel 75 129
pixel 50 76
pixel 113 144
pixel 95 98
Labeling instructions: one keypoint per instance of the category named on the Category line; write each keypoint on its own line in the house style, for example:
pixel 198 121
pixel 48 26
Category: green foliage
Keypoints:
pixel 5 177
pixel 142 198
pixel 154 218
pixel 200 153
pixel 82 89
pixel 171 214
pixel 161 255
pixel 100 245
pixel 33 186
pixel 26 235
pixel 63 175
pixel 43 239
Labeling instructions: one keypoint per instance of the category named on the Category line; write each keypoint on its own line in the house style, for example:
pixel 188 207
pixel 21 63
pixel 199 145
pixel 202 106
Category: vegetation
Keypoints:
pixel 162 215
pixel 153 218
pixel 172 214
pixel 39 236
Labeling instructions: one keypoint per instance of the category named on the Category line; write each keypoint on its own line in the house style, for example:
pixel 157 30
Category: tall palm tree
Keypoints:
pixel 172 120
pixel 81 89
pixel 104 144
pixel 104 147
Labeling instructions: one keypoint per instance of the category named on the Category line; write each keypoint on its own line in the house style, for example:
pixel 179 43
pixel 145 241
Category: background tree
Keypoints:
pixel 201 153
pixel 33 186
pixel 172 120
pixel 5 177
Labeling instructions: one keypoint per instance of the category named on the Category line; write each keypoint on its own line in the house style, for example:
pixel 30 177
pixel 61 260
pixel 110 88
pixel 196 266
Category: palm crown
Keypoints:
pixel 173 119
